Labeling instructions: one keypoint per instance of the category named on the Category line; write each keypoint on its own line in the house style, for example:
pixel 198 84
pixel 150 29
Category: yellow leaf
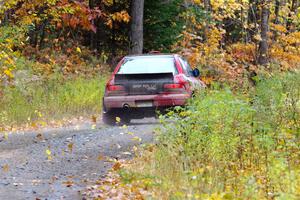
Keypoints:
pixel 258 37
pixel 134 148
pixel 137 139
pixel 70 147
pixel 68 183
pixel 100 157
pixel 116 166
pixel 5 168
pixel 8 73
pixel 118 119
pixel 48 152
pixel 197 2
pixel 78 50
pixel 94 119
pixel 39 114
pixel 34 125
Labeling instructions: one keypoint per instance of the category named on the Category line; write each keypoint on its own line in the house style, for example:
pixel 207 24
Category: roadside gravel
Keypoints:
pixel 57 163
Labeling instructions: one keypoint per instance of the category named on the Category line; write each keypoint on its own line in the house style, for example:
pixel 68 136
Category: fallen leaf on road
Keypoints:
pixel 134 148
pixel 48 153
pixel 34 125
pixel 130 133
pixel 118 119
pixel 68 183
pixel 17 184
pixel 53 179
pixel 137 139
pixel 40 136
pixel 100 157
pixel 112 160
pixel 126 153
pixel 116 166
pixel 5 168
pixel 36 182
pixel 77 127
pixel 70 147
pixel 94 126
pixel 119 146
pixel 94 119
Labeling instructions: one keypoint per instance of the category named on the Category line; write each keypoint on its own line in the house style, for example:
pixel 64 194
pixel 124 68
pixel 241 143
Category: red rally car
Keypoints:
pixel 143 84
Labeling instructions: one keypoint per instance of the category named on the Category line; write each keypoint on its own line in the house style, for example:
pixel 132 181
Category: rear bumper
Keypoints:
pixel 161 100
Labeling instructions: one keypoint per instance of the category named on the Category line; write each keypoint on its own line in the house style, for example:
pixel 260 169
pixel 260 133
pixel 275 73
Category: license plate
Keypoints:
pixel 143 104
pixel 144 87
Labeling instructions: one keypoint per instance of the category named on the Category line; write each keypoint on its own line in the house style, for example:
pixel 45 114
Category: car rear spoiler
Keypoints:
pixel 156 77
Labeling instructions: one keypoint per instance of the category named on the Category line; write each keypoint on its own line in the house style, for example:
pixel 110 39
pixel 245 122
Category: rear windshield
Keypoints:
pixel 148 65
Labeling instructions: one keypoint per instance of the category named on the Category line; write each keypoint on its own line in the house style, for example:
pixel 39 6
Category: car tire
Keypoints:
pixel 125 119
pixel 109 118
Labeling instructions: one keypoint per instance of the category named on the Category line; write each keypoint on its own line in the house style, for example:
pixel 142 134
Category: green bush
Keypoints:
pixel 227 145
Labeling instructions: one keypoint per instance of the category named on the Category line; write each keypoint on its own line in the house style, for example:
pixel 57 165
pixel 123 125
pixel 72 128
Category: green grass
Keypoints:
pixel 52 99
pixel 230 145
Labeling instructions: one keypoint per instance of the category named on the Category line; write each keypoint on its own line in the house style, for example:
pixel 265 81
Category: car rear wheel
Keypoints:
pixel 108 118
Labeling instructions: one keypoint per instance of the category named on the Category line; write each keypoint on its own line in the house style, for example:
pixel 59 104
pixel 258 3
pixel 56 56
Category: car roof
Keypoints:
pixel 151 55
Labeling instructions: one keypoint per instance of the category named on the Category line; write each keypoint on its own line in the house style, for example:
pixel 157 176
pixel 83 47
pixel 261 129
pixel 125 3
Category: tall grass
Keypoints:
pixel 231 146
pixel 51 99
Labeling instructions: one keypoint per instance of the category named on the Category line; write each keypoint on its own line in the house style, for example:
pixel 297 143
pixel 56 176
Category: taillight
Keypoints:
pixel 174 88
pixel 113 90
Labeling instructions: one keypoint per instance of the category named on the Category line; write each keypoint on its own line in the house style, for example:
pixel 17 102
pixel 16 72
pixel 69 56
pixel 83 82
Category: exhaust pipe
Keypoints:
pixel 126 107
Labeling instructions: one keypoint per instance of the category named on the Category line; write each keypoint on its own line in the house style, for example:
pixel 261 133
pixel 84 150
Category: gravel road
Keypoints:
pixel 57 163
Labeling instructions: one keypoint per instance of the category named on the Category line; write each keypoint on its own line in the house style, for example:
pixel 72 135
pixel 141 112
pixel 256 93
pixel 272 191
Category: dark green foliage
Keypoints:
pixel 163 24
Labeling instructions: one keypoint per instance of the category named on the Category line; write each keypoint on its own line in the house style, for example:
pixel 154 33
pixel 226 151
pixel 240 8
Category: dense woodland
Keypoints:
pixel 221 37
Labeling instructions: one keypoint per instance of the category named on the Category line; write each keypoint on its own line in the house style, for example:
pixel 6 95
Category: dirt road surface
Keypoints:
pixel 56 164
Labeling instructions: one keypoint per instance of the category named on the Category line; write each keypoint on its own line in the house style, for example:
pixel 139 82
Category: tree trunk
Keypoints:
pixel 136 32
pixel 293 11
pixel 277 8
pixel 253 18
pixel 42 32
pixel 276 20
pixel 264 28
pixel 6 18
pixel 207 7
pixel 92 34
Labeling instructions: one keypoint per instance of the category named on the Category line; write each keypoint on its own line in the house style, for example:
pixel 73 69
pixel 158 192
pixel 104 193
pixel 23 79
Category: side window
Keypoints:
pixel 186 67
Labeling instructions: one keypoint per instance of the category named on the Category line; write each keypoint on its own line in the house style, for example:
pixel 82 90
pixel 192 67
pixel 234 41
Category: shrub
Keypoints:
pixel 230 146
